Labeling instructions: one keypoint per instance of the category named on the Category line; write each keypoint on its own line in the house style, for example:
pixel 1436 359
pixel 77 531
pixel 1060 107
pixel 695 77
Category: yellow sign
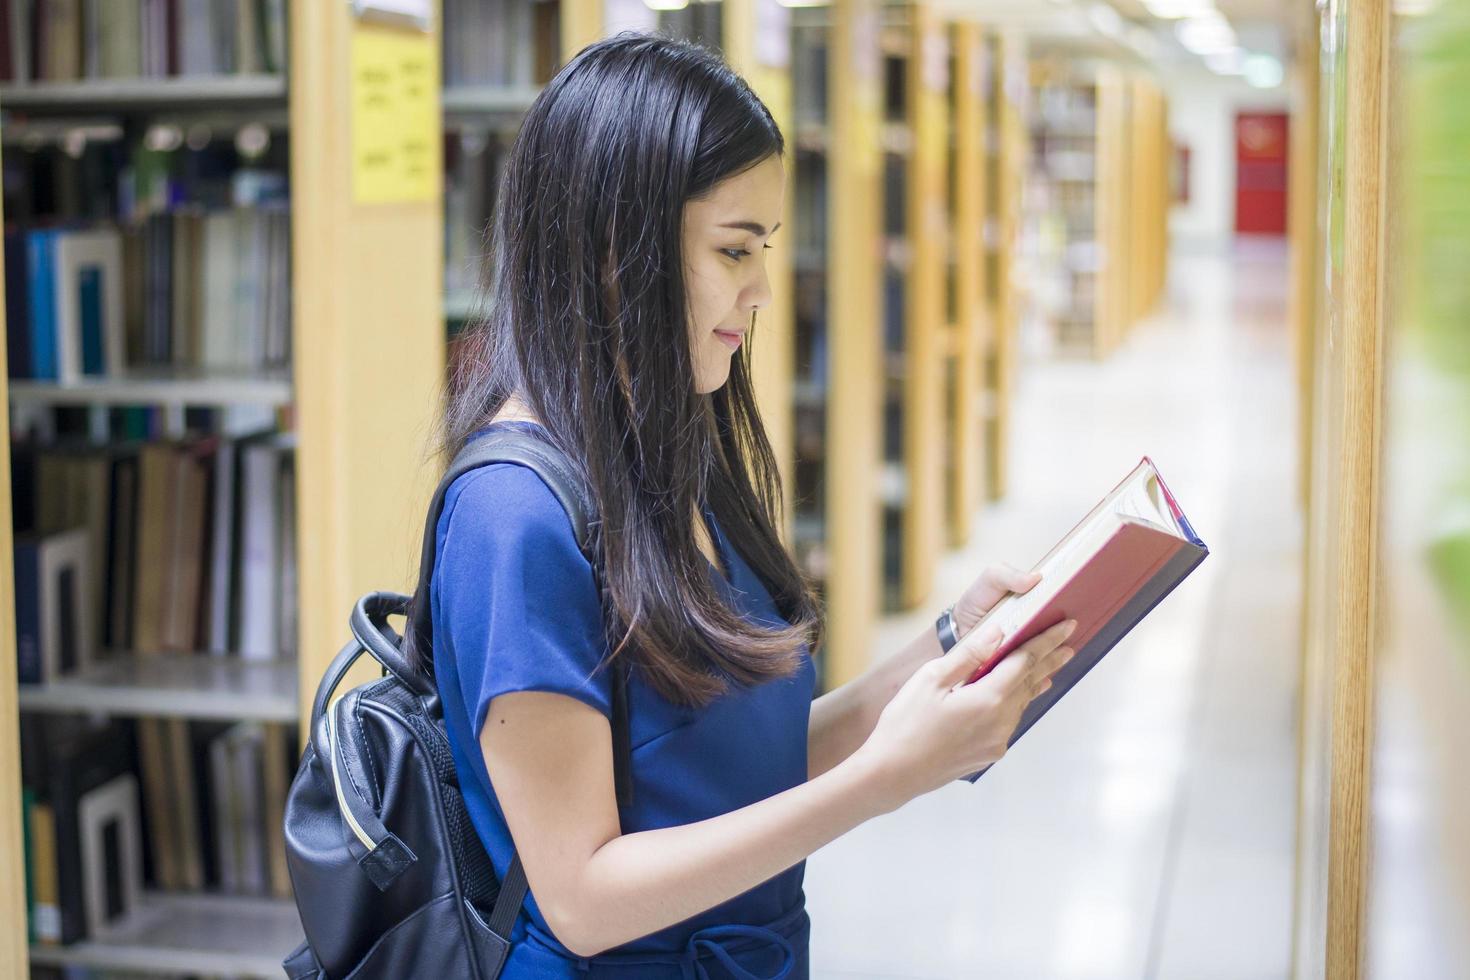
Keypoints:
pixel 395 150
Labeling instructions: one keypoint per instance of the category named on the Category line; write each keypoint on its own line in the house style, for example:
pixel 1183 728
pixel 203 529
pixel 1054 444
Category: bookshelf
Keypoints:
pixel 1003 87
pixel 498 56
pixel 838 281
pixel 966 320
pixel 358 386
pixel 1148 194
pixel 1068 143
pixel 916 47
pixel 757 41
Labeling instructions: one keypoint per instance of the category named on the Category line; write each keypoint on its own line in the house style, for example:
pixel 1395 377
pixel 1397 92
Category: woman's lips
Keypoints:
pixel 731 339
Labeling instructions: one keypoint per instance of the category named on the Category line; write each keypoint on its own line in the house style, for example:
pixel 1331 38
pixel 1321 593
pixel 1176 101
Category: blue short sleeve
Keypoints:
pixel 518 609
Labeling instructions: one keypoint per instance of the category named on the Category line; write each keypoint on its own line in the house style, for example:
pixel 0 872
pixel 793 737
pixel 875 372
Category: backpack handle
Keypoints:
pixel 369 624
pixel 372 635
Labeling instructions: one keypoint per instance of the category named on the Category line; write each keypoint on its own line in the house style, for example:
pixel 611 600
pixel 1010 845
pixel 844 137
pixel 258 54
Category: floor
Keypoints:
pixel 1144 830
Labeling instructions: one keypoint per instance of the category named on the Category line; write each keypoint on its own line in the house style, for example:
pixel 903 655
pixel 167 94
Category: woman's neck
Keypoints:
pixel 515 410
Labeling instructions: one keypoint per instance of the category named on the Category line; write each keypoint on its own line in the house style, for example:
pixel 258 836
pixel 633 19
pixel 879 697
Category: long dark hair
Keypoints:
pixel 586 323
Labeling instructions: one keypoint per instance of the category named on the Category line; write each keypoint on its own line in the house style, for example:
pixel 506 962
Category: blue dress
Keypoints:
pixel 515 609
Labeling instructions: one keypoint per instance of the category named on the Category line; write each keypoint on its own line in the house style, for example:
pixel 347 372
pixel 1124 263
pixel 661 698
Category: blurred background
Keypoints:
pixel 1025 245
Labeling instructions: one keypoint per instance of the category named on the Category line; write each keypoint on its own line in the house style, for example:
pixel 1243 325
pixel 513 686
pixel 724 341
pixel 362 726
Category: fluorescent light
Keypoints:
pixel 1205 35
pixel 1174 9
pixel 1263 71
pixel 665 4
pixel 1231 62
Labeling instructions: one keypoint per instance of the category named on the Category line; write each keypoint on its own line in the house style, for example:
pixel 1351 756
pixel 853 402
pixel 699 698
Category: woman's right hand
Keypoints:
pixel 938 728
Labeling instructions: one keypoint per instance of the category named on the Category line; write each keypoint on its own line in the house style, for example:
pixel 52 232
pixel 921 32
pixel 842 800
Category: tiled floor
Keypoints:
pixel 1145 828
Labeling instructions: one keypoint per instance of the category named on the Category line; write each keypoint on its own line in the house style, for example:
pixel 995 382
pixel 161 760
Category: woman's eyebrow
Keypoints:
pixel 754 228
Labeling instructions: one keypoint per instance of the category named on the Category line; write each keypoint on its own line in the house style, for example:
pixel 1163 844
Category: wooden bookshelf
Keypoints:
pixel 367 356
pixel 1003 84
pixel 927 88
pixel 767 67
pixel 1148 195
pixel 839 275
pixel 967 322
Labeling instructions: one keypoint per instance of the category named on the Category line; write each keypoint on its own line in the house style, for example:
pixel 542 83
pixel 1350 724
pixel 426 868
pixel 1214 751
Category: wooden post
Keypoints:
pixel 967 231
pixel 854 278
pixel 1342 527
pixel 923 404
pixel 12 849
pixel 581 23
pixel 773 346
pixel 368 342
pixel 1352 621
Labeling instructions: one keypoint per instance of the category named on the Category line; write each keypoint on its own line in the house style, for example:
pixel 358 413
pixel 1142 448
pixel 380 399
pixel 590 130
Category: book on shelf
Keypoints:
pixel 193 806
pixel 78 40
pixel 473 162
pixel 196 537
pixel 499 43
pixel 1107 573
pixel 97 870
pixel 54 630
pixel 190 288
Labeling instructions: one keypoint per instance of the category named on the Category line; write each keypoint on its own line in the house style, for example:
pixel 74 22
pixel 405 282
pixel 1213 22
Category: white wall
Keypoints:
pixel 1202 108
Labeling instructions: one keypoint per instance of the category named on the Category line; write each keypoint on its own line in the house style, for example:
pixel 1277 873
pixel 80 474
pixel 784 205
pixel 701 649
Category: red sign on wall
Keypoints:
pixel 1260 173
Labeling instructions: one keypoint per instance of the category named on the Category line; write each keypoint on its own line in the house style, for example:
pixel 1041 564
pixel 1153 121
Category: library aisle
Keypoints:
pixel 1144 829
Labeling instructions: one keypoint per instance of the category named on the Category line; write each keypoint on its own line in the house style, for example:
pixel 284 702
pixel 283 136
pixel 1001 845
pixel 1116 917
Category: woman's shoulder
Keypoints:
pixel 504 504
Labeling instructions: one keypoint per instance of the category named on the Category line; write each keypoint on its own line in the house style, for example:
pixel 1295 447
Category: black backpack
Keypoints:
pixel 390 877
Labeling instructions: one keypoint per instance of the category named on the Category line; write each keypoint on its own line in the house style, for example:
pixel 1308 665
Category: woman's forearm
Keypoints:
pixel 639 883
pixel 843 718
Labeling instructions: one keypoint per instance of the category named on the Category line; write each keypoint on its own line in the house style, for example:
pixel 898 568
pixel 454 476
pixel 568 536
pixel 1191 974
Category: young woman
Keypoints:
pixel 627 268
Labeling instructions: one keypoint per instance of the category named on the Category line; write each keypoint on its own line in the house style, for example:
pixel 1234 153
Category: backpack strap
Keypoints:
pixel 557 472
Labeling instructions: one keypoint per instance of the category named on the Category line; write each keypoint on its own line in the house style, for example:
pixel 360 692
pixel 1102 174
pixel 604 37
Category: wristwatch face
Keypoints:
pixel 944 625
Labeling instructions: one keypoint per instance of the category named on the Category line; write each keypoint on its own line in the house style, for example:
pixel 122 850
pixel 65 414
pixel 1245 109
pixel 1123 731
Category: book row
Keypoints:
pixel 176 545
pixel 75 40
pixel 189 288
pixel 113 807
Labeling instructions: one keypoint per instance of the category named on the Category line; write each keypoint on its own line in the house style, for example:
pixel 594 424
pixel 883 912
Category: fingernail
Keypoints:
pixel 1071 626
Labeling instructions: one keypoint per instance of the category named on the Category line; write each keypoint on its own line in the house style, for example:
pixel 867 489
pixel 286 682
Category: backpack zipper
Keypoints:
pixel 356 827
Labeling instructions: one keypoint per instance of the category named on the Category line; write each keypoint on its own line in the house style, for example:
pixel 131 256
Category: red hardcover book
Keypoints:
pixel 1109 572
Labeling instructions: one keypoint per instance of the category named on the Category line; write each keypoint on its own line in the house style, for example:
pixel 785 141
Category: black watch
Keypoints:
pixel 944 626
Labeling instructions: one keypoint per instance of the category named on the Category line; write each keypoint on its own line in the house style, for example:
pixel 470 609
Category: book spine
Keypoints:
pixel 28 613
pixel 40 245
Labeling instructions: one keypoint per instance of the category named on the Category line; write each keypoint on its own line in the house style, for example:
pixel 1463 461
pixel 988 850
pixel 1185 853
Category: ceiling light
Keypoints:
pixel 1263 71
pixel 1206 34
pixel 1231 62
pixel 1174 9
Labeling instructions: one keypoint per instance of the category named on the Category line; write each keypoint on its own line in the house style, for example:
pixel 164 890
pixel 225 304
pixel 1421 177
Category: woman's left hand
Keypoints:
pixel 993 585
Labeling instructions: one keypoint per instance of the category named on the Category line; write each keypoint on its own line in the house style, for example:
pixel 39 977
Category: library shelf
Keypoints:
pixel 493 101
pixel 174 933
pixel 165 386
pixel 177 685
pixel 146 94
